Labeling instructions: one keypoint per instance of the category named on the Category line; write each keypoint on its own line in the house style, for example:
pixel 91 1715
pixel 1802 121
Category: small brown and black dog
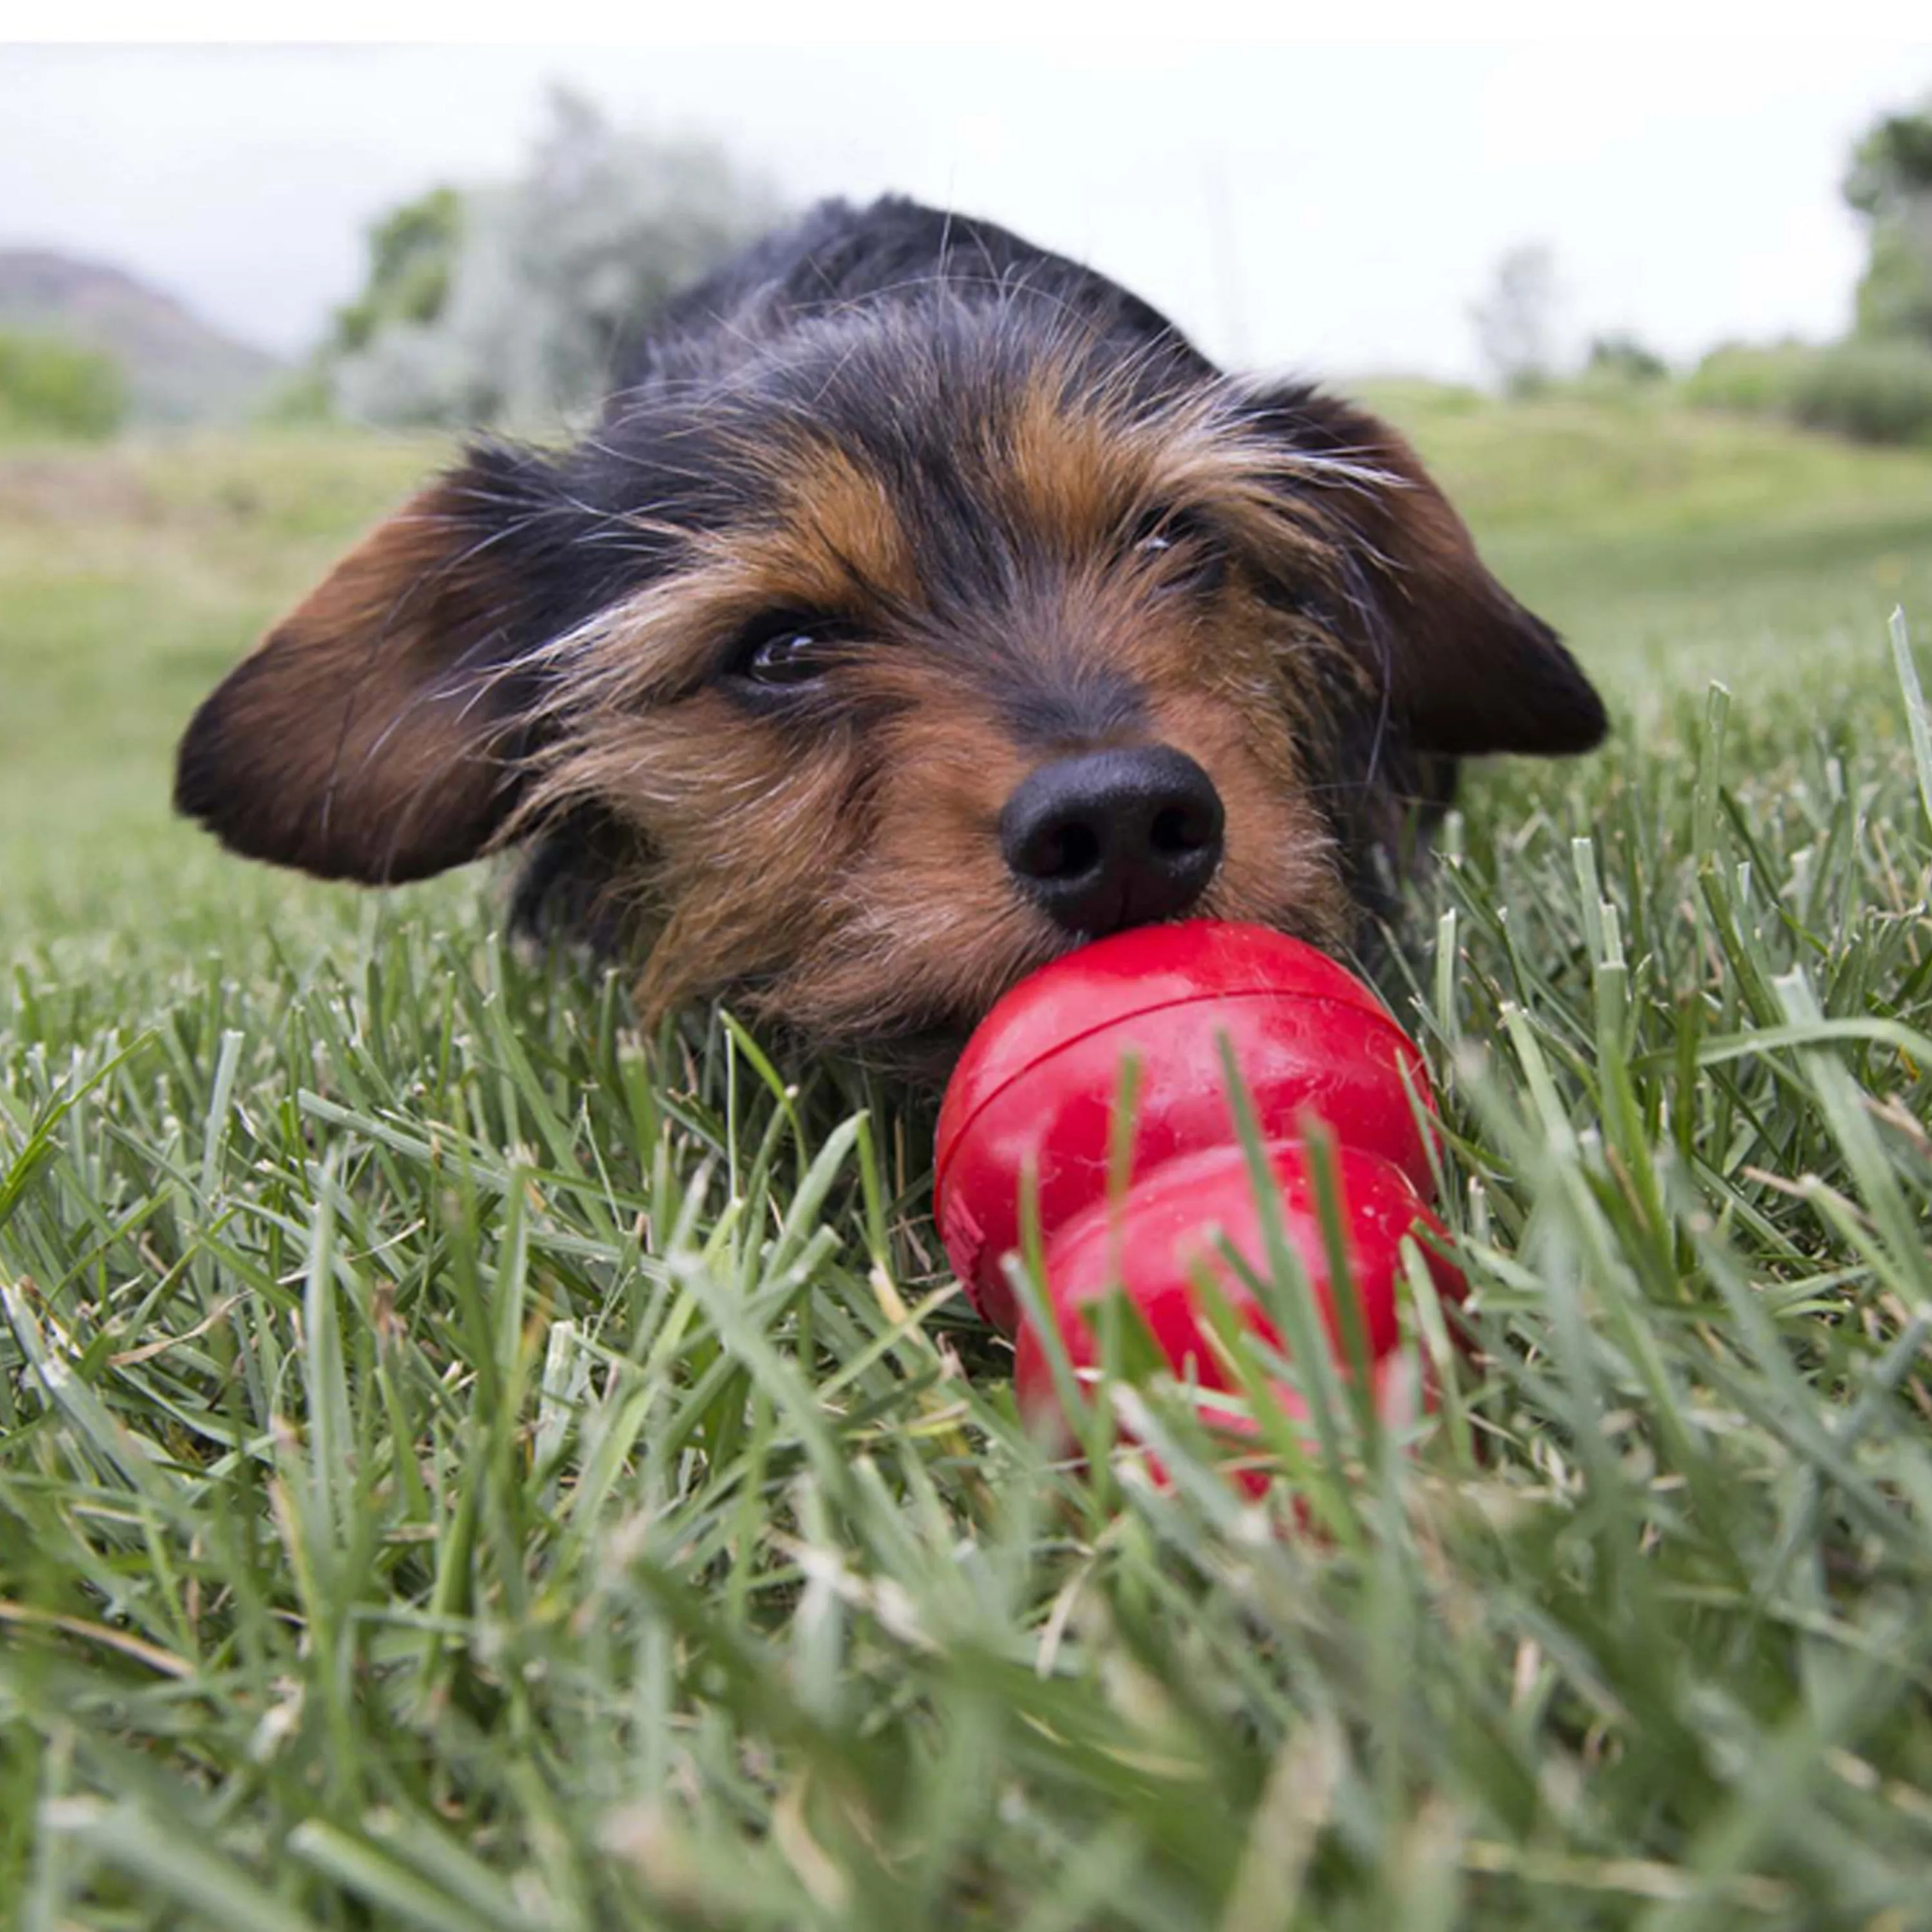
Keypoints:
pixel 923 605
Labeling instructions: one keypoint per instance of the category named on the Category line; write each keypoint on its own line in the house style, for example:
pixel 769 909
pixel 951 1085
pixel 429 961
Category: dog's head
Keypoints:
pixel 921 645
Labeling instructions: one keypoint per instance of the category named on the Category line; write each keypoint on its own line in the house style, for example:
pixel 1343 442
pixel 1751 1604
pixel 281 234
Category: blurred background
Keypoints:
pixel 447 234
pixel 1664 325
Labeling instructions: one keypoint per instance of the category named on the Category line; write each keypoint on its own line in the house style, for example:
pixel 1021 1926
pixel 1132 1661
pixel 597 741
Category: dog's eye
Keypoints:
pixel 1185 548
pixel 786 649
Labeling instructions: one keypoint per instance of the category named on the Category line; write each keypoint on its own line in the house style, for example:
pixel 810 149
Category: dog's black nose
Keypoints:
pixel 1113 839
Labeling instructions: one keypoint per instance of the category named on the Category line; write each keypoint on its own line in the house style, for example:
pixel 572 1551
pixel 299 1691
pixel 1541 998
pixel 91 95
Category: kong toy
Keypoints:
pixel 1033 1103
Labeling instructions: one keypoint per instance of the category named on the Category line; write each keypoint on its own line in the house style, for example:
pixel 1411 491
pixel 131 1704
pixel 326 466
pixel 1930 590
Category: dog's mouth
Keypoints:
pixel 921 1043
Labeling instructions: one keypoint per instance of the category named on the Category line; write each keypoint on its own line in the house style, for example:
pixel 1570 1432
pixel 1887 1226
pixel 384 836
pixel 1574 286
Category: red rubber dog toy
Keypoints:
pixel 1035 1092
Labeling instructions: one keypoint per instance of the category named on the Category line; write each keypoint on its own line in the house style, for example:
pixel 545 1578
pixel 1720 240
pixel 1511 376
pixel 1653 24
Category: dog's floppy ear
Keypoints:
pixel 1469 670
pixel 374 734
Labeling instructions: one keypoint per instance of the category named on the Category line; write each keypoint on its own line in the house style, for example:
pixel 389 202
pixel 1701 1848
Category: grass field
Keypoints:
pixel 462 1466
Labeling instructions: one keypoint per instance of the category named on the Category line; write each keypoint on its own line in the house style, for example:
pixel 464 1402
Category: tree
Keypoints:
pixel 412 253
pixel 1515 321
pixel 1889 183
pixel 513 303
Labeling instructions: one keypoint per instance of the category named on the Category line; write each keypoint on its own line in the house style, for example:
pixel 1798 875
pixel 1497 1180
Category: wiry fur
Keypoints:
pixel 1031 520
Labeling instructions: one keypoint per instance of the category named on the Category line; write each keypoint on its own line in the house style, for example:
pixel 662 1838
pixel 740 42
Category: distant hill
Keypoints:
pixel 178 368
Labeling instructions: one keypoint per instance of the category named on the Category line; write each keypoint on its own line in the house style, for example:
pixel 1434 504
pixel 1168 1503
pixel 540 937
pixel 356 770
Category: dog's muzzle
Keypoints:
pixel 1112 839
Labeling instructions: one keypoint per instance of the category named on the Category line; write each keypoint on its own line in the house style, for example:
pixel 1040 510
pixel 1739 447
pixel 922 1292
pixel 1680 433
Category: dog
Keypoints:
pixel 922 604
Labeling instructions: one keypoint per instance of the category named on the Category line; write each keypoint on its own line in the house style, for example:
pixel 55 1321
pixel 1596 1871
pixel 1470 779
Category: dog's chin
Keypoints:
pixel 900 997
pixel 917 1038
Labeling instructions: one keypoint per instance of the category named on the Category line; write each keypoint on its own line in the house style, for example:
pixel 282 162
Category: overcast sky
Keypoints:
pixel 1332 208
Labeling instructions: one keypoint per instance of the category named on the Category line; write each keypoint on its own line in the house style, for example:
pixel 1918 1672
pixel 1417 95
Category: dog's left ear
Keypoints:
pixel 1469 670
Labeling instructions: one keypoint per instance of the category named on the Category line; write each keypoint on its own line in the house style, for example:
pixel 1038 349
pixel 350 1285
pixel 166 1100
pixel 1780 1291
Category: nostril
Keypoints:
pixel 1066 851
pixel 1179 830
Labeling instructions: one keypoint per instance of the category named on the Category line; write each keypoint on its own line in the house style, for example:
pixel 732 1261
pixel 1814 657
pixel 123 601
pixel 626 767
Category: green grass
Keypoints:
pixel 463 1466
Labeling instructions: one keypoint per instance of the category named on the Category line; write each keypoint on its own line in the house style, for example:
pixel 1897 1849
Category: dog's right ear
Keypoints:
pixel 1467 670
pixel 377 733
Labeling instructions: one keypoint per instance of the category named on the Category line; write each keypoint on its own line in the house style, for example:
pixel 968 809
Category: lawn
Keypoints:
pixel 463 1465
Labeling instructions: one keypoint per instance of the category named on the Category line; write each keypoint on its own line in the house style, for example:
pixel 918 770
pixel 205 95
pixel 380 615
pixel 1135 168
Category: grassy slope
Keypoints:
pixel 133 578
pixel 387 1535
pixel 1676 547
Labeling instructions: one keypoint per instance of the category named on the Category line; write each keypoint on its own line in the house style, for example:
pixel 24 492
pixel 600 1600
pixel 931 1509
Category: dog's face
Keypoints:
pixel 929 644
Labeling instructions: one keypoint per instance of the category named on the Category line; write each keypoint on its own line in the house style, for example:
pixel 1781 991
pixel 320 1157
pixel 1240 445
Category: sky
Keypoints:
pixel 1332 208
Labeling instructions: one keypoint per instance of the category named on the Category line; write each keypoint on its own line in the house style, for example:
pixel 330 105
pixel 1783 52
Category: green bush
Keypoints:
pixel 300 396
pixel 1872 391
pixel 1750 379
pixel 52 388
pixel 1620 356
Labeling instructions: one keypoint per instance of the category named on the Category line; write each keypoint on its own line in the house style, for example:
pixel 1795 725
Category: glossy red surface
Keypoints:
pixel 1150 1245
pixel 1035 1087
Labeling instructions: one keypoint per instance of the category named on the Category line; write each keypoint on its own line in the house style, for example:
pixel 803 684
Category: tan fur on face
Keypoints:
pixel 837 536
pixel 843 874
pixel 1074 466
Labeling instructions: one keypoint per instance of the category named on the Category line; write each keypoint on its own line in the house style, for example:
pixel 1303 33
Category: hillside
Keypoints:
pixel 179 368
